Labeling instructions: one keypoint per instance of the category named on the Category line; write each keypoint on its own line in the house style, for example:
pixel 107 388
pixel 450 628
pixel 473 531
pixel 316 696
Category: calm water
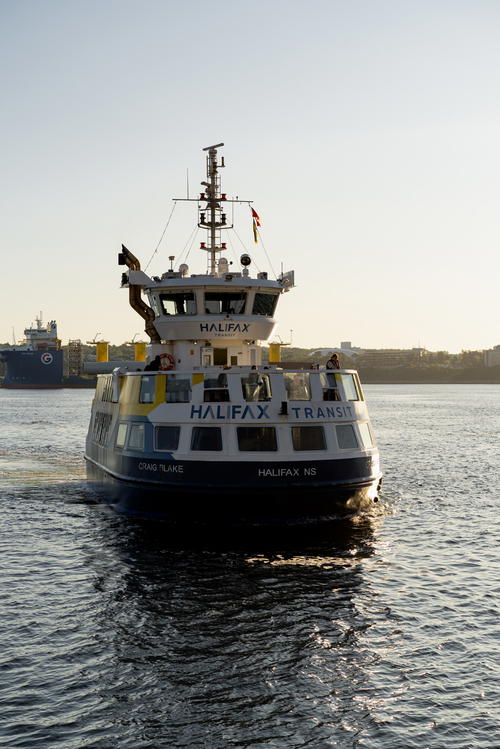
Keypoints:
pixel 380 633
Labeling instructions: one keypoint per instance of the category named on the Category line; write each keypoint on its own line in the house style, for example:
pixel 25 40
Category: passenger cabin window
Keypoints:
pixel 178 389
pixel 136 437
pixel 264 304
pixel 216 389
pixel 346 436
pixel 206 438
pixel 365 434
pixel 102 423
pixel 308 438
pixel 167 437
pixel 104 389
pixel 257 439
pixel 121 435
pixel 178 303
pixel 148 388
pixel 256 387
pixel 297 386
pixel 350 387
pixel 225 302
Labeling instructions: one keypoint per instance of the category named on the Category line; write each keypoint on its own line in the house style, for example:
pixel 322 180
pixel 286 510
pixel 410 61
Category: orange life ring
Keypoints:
pixel 167 361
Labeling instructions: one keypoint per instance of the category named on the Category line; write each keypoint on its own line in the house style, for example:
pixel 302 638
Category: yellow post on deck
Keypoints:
pixel 140 351
pixel 274 353
pixel 102 351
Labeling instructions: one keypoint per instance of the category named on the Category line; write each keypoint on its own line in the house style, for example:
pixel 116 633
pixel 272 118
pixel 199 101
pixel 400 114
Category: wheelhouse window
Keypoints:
pixel 216 389
pixel 256 387
pixel 264 304
pixel 167 437
pixel 121 435
pixel 365 434
pixel 206 438
pixel 148 389
pixel 136 437
pixel 351 390
pixel 257 439
pixel 178 303
pixel 330 386
pixel 346 437
pixel 178 389
pixel 308 438
pixel 297 386
pixel 225 302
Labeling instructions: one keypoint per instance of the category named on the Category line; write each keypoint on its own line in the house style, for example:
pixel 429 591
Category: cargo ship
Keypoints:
pixel 37 361
pixel 208 429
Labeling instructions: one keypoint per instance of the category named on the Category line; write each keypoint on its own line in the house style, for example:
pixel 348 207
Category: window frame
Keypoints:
pixel 157 428
pixel 218 393
pixel 197 430
pixel 118 429
pixel 364 425
pixel 185 296
pixel 319 428
pixel 352 432
pixel 249 429
pixel 138 426
pixel 262 386
pixel 222 296
pixel 177 378
pixel 152 385
pixel 344 377
pixel 274 298
pixel 287 378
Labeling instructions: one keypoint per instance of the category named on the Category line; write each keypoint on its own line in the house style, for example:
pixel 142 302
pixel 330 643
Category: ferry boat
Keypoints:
pixel 37 361
pixel 209 430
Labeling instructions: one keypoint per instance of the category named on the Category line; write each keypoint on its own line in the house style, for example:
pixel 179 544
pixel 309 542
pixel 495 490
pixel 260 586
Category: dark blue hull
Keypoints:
pixel 197 491
pixel 33 369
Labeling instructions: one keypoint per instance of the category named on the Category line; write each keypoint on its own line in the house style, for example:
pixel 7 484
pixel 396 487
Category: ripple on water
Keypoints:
pixel 376 632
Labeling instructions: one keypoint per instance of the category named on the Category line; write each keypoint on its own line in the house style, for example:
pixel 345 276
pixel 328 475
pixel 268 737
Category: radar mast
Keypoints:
pixel 212 215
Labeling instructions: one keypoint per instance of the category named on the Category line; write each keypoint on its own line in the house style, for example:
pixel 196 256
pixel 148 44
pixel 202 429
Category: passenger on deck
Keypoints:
pixel 333 362
pixel 154 365
pixel 298 389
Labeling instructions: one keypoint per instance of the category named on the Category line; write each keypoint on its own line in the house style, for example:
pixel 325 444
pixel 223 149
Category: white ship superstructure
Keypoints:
pixel 207 429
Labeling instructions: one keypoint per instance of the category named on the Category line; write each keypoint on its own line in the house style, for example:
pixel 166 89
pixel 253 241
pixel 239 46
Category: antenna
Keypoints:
pixel 187 184
pixel 212 207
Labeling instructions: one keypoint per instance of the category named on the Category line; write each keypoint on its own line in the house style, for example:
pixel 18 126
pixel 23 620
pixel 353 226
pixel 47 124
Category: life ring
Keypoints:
pixel 167 361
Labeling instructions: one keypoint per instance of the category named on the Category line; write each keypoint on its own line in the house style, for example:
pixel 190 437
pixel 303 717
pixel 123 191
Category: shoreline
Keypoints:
pixel 430 376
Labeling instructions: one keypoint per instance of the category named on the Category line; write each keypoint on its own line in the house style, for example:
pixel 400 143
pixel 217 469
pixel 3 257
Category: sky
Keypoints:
pixel 365 132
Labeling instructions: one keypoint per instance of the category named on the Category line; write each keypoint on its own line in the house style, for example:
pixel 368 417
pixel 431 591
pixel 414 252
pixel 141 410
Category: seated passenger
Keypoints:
pixel 252 388
pixel 298 389
pixel 154 365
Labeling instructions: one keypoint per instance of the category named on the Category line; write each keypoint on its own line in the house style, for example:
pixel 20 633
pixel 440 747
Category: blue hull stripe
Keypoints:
pixel 220 476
